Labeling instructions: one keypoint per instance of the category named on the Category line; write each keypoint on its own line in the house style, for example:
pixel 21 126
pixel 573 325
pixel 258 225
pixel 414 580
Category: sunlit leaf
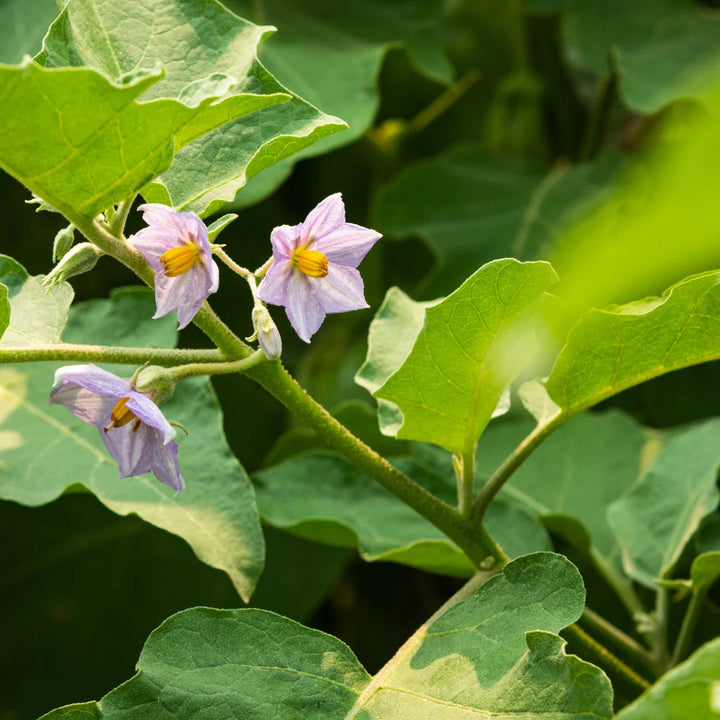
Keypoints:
pixel 471 346
pixel 494 653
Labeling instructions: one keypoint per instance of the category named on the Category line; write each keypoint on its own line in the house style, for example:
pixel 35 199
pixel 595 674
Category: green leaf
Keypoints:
pixel 705 571
pixel 472 346
pixel 613 349
pixel 215 228
pixel 391 337
pixel 22 27
pixel 662 50
pixel 320 496
pixel 690 690
pixel 586 477
pixel 82 156
pixel 29 313
pixel 655 519
pixel 470 208
pixel 46 450
pixel 211 66
pixel 493 653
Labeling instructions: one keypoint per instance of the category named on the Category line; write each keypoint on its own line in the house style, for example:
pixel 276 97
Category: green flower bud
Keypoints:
pixel 63 242
pixel 156 381
pixel 78 260
pixel 266 332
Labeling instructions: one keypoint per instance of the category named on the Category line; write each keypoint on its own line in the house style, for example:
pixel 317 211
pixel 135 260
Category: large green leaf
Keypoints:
pixel 391 337
pixel 655 519
pixel 691 690
pixel 23 23
pixel 471 207
pixel 613 349
pixel 29 313
pixel 492 654
pixel 320 496
pixel 46 450
pixel 472 345
pixel 210 59
pixel 662 50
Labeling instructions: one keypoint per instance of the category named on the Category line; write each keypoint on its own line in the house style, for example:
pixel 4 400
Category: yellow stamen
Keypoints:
pixel 310 262
pixel 122 415
pixel 179 260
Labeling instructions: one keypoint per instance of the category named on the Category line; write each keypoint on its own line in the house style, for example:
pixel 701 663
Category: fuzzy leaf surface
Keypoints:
pixel 46 450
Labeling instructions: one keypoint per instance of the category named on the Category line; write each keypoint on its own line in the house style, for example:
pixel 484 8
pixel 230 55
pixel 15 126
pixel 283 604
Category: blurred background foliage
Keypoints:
pixel 555 129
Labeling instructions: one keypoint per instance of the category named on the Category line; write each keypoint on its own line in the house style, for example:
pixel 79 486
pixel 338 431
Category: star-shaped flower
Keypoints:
pixel 176 246
pixel 315 267
pixel 131 425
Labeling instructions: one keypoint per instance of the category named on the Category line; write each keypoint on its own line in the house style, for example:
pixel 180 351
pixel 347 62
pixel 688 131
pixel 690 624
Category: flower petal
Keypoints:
pixel 347 244
pixel 152 242
pixel 165 466
pixel 284 240
pixel 150 415
pixel 340 290
pixel 273 287
pixel 323 218
pixel 85 404
pixel 131 449
pixel 303 309
pixel 91 378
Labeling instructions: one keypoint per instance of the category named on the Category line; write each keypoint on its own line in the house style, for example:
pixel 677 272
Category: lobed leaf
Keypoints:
pixel 613 349
pixel 472 345
pixel 46 450
pixel 209 56
pixel 492 654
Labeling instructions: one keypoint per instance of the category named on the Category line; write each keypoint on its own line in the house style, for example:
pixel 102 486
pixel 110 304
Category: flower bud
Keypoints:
pixel 63 242
pixel 156 382
pixel 267 333
pixel 78 260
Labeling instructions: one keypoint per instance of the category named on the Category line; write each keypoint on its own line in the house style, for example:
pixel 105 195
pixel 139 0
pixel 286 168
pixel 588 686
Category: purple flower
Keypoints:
pixel 176 246
pixel 131 425
pixel 314 272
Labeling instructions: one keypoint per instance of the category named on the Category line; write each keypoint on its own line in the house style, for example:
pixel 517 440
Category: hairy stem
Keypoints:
pixel 465 472
pixel 605 659
pixel 165 357
pixel 511 464
pixel 116 225
pixel 599 625
pixel 182 372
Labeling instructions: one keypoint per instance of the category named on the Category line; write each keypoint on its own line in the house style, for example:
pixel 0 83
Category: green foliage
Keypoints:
pixel 493 652
pixel 322 497
pixel 655 519
pixel 688 691
pixel 471 207
pixel 30 314
pixel 22 27
pixel 612 349
pixel 472 345
pixel 662 50
pixel 45 452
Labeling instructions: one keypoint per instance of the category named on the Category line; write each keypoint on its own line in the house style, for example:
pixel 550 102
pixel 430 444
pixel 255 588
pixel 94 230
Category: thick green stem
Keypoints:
pixel 602 656
pixel 465 473
pixel 165 357
pixel 116 225
pixel 660 652
pixel 182 372
pixel 505 471
pixel 276 380
pixel 684 641
pixel 614 634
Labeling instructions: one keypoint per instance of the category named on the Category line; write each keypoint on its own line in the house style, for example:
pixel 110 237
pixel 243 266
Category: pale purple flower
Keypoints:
pixel 133 428
pixel 176 246
pixel 315 267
